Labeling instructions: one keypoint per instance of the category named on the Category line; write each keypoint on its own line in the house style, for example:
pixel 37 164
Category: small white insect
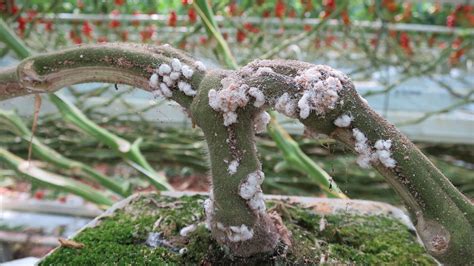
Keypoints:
pixel 232 168
pixel 164 69
pixel 258 95
pixel 187 71
pixel 175 75
pixel 176 64
pixel 154 79
pixel 200 66
pixel 343 121
pixel 165 90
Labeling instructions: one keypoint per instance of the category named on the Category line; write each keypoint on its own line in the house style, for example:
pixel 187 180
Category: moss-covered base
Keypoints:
pixel 125 238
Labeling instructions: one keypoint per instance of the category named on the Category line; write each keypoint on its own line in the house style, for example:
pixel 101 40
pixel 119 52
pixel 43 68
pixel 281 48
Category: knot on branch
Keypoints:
pixel 29 78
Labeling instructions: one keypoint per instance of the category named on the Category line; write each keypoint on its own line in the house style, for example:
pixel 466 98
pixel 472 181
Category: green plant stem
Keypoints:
pixel 300 162
pixel 207 15
pixel 58 182
pixel 15 125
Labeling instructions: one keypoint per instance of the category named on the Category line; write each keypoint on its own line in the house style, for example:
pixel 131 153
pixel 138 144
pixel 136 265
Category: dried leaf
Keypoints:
pixel 70 243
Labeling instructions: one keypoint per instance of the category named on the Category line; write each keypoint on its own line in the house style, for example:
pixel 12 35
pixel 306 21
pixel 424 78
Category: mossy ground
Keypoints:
pixel 120 239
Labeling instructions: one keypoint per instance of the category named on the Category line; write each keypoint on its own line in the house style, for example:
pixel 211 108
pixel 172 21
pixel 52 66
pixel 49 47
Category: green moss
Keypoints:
pixel 120 239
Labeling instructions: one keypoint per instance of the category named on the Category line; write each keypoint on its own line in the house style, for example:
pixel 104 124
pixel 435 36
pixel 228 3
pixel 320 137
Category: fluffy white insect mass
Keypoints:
pixel 168 81
pixel 262 70
pixel 164 69
pixel 232 168
pixel 176 64
pixel 154 79
pixel 258 95
pixel 257 202
pixel 382 151
pixel 200 66
pixel 284 104
pixel 384 154
pixel 362 148
pixel 228 99
pixel 250 190
pixel 237 233
pixel 261 121
pixel 175 75
pixel 343 121
pixel 186 88
pixel 166 78
pixel 230 118
pixel 165 90
pixel 187 71
pixel 321 85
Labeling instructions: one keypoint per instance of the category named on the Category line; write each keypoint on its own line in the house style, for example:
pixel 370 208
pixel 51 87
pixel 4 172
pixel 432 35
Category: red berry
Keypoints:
pixel 147 33
pixel 114 23
pixel 39 195
pixel 48 26
pixel 405 42
pixel 192 15
pixel 451 20
pixel 280 9
pixel 345 18
pixel 135 23
pixel 21 24
pixel 240 35
pixel 233 9
pixel 62 199
pixel 87 29
pixel 119 2
pixel 77 40
pixel 173 18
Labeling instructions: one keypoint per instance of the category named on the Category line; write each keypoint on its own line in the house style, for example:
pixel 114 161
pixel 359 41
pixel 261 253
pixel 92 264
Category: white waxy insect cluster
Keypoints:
pixel 262 70
pixel 236 233
pixel 167 77
pixel 384 154
pixel 321 85
pixel 250 190
pixel 286 105
pixel 362 148
pixel 258 95
pixel 382 151
pixel 233 233
pixel 232 167
pixel 232 96
pixel 261 121
pixel 343 121
pixel 200 66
